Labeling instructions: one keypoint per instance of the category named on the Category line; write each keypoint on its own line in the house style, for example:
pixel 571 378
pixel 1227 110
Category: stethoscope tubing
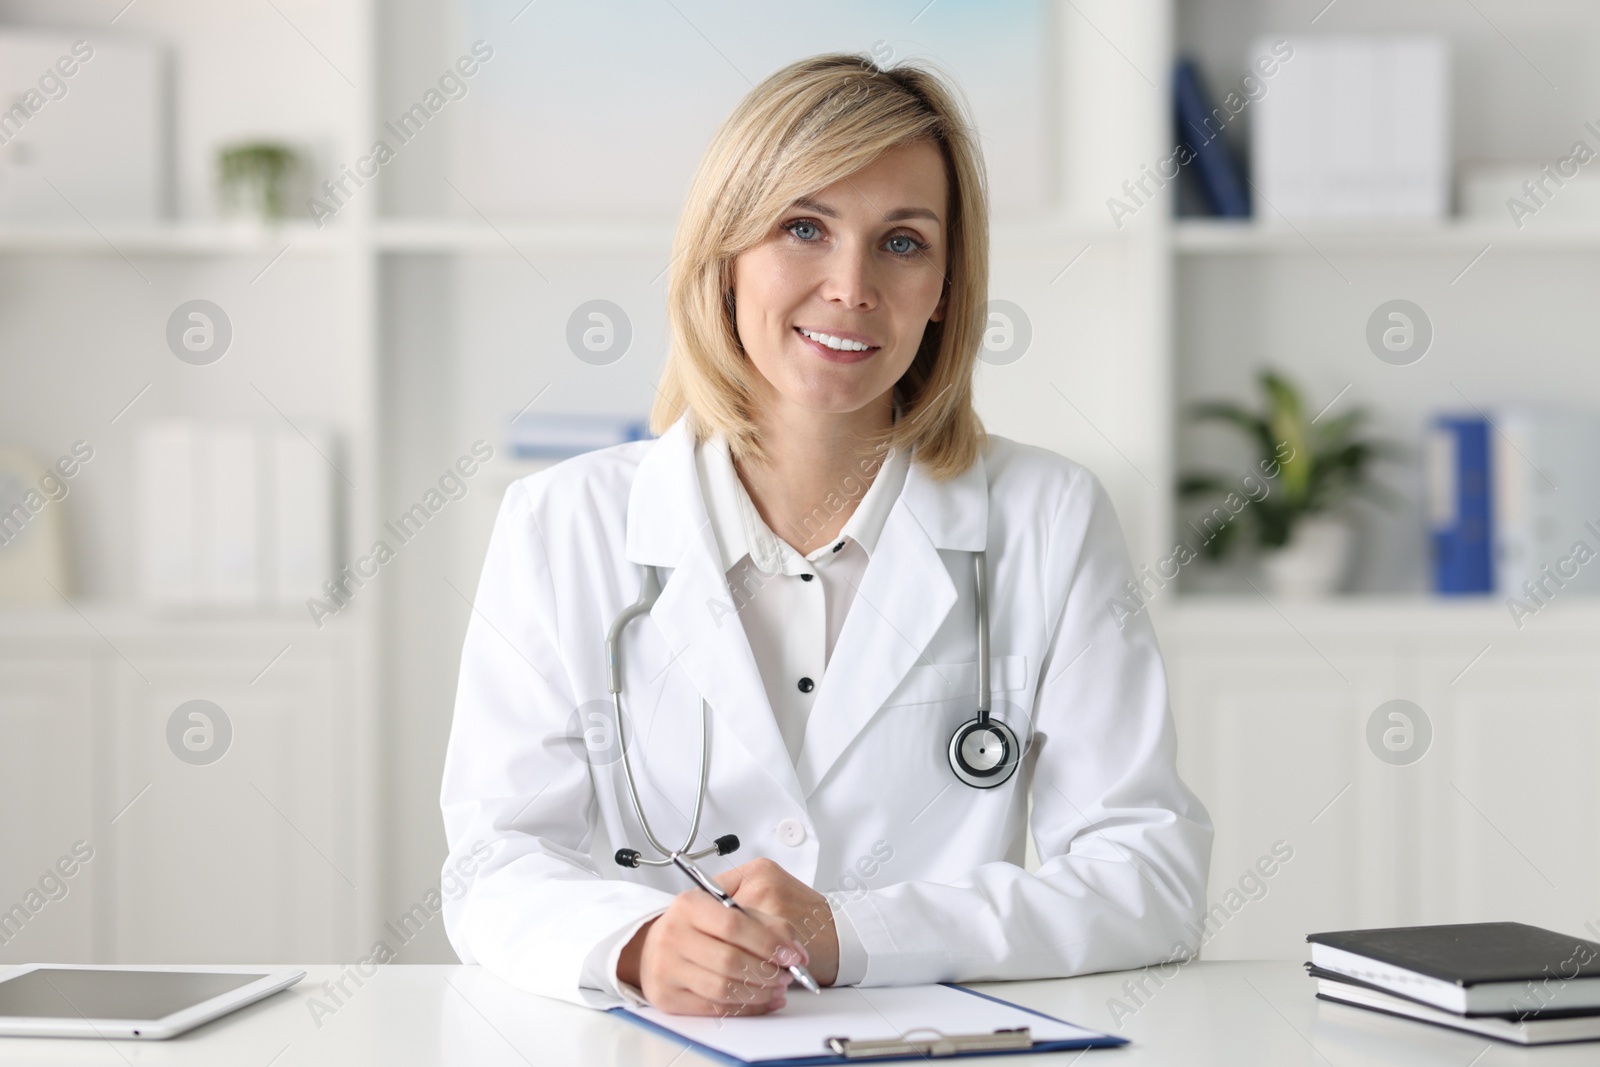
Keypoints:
pixel 649 590
pixel 980 593
pixel 986 777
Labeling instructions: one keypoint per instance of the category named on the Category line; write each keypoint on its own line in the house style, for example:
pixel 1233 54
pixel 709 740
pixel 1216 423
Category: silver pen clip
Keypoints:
pixel 935 1044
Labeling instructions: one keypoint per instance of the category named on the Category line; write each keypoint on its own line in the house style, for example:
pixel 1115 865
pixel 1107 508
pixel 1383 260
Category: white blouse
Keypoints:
pixel 793 606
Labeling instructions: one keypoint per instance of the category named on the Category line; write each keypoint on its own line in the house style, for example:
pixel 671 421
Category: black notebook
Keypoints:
pixel 1469 968
pixel 1548 1027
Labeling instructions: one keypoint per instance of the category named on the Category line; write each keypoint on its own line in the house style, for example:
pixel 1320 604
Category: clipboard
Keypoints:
pixel 869 1026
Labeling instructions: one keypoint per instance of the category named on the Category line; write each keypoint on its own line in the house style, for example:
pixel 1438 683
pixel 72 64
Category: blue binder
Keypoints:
pixel 1459 494
pixel 822 1057
pixel 1198 127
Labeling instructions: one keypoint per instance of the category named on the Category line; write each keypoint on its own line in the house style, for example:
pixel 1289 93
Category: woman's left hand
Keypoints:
pixel 763 885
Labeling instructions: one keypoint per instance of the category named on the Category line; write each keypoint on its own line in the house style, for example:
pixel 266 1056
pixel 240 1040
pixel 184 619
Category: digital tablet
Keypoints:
pixel 69 1000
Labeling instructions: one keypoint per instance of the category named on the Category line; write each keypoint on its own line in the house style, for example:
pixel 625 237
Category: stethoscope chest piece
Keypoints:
pixel 984 752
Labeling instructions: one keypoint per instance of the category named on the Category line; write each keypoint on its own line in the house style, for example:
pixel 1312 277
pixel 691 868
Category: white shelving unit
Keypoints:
pixel 1274 699
pixel 274 851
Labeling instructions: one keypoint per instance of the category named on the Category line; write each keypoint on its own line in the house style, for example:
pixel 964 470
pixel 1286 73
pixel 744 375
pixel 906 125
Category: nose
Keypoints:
pixel 851 278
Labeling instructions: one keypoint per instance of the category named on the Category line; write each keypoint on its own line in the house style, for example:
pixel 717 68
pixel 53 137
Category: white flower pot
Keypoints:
pixel 1314 562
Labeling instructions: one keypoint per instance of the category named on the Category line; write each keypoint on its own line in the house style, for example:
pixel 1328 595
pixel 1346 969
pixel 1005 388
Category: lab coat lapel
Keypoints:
pixel 668 526
pixel 905 594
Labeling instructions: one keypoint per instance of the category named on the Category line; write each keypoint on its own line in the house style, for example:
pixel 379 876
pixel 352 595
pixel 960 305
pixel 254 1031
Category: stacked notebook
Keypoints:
pixel 1509 981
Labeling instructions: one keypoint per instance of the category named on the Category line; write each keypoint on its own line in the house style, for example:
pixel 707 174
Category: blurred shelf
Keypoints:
pixel 477 235
pixel 444 236
pixel 116 618
pixel 433 236
pixel 1215 237
pixel 1402 615
pixel 177 238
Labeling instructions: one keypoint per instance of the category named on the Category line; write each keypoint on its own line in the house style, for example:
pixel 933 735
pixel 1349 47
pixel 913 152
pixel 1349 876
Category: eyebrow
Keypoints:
pixel 894 216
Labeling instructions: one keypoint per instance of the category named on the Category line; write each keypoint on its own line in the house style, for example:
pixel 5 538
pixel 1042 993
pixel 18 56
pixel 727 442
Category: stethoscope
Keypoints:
pixel 983 751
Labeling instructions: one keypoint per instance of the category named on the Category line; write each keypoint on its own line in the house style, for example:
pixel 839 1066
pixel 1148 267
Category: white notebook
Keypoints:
pixel 801 1029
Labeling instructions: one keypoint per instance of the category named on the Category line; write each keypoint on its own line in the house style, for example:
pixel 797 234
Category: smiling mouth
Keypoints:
pixel 849 354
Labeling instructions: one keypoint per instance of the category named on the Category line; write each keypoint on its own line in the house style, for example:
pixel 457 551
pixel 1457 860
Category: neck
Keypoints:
pixel 817 468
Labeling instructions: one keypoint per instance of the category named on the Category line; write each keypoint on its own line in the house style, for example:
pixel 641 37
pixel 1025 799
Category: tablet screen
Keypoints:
pixel 69 993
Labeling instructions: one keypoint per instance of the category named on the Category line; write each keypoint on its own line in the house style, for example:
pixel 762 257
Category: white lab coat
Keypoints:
pixel 928 871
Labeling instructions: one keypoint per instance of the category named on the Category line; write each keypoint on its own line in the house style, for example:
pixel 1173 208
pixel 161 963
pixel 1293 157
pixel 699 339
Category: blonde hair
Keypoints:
pixel 802 129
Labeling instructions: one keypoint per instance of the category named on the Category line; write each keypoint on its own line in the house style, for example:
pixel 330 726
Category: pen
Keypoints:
pixel 801 975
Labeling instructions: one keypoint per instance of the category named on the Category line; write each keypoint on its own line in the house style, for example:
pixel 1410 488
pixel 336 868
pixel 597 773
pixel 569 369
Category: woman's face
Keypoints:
pixel 862 261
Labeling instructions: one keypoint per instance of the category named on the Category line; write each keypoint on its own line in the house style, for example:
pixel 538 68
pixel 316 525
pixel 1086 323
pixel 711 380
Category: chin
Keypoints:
pixel 833 389
pixel 834 398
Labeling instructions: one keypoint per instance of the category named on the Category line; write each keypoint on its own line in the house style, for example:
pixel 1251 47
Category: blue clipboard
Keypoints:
pixel 1067 1045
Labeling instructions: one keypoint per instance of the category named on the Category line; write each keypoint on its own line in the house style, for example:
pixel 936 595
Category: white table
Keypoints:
pixel 1225 1013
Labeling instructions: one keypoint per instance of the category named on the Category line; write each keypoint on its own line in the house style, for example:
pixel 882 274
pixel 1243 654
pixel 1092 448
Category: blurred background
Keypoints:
pixel 291 290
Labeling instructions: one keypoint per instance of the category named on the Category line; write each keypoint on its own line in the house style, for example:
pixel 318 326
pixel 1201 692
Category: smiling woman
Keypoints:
pixel 791 591
pixel 865 178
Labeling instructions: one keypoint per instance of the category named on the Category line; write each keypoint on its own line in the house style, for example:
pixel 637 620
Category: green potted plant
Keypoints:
pixel 253 179
pixel 1294 503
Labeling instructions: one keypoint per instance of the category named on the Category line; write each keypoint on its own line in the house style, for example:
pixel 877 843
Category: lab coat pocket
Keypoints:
pixel 935 698
pixel 907 744
pixel 933 683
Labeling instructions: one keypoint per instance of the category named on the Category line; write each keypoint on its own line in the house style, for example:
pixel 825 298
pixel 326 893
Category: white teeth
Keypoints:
pixel 836 342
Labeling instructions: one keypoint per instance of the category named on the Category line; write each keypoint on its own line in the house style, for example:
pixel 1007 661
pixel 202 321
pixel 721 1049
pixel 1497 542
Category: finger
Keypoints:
pixel 727 993
pixel 764 871
pixel 730 880
pixel 753 873
pixel 764 937
pixel 671 973
pixel 684 944
pixel 732 963
pixel 786 932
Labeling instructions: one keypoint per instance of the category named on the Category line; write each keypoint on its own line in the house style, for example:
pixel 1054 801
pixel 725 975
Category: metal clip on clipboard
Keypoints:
pixel 939 1044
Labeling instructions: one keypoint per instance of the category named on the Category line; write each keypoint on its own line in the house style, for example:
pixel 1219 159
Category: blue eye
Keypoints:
pixel 912 248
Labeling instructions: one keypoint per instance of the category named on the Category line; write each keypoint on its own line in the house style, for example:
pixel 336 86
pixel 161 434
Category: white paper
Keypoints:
pixel 1545 486
pixel 1354 127
pixel 802 1027
pixel 166 510
pixel 233 514
pixel 227 509
pixel 109 108
pixel 301 519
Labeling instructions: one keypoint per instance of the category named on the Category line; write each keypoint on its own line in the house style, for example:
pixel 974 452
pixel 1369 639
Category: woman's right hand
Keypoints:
pixel 701 958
